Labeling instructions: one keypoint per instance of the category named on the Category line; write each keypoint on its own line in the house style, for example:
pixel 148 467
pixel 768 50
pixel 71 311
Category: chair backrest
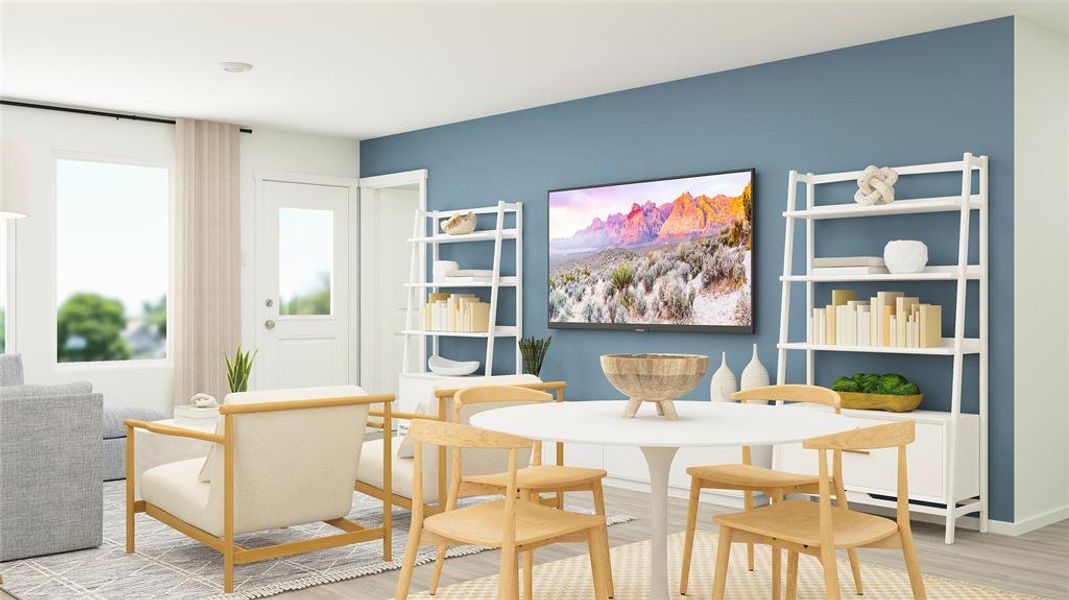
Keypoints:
pixel 468 402
pixel 891 435
pixel 457 437
pixel 294 454
pixel 792 392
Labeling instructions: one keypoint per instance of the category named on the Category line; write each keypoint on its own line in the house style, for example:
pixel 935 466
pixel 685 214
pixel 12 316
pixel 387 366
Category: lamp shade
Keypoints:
pixel 14 191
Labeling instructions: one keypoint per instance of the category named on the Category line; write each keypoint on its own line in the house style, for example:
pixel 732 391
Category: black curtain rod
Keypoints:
pixel 97 113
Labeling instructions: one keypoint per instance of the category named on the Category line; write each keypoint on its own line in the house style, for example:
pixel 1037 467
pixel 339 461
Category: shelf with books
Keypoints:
pixel 891 323
pixel 933 273
pixel 945 348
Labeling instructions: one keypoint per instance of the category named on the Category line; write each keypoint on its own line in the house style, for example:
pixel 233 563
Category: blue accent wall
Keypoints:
pixel 923 98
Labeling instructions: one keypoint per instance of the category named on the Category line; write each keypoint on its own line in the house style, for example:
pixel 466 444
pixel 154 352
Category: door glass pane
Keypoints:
pixel 305 261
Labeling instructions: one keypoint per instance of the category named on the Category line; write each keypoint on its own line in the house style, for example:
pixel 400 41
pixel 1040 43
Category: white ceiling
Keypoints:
pixel 368 69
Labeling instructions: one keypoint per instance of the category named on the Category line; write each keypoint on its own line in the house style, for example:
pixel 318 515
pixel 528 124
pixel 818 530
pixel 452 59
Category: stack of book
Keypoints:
pixel 456 312
pixel 890 319
pixel 848 265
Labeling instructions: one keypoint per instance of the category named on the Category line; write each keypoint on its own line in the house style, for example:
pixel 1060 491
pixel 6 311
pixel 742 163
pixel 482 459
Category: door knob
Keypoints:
pixel 269 324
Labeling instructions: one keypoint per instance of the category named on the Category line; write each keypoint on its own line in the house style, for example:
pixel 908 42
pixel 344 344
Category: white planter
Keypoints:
pixel 905 256
pixel 755 375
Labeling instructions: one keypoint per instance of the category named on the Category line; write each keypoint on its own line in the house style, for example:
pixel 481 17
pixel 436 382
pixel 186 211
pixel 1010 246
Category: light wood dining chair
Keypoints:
pixel 531 481
pixel 514 524
pixel 749 479
pixel 818 528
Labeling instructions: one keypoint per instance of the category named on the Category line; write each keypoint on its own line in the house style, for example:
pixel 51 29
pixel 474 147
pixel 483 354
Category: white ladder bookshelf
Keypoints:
pixel 426 232
pixel 956 347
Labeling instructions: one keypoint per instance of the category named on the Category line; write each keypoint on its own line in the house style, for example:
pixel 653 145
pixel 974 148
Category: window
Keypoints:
pixel 112 261
pixel 305 260
pixel 4 227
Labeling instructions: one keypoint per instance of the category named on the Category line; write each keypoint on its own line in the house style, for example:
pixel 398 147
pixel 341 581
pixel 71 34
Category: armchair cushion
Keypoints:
pixel 46 391
pixel 369 471
pixel 114 417
pixel 11 370
pixel 175 488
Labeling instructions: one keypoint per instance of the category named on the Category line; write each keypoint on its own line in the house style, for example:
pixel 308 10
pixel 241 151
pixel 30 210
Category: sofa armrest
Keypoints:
pixel 51 472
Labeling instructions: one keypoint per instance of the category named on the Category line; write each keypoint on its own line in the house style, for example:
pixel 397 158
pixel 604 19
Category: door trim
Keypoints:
pixel 372 184
pixel 352 185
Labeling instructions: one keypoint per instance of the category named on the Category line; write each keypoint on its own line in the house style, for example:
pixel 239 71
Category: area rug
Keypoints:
pixel 569 579
pixel 169 565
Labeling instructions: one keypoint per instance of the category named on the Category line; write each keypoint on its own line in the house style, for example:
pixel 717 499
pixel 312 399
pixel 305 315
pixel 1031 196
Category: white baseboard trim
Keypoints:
pixel 728 500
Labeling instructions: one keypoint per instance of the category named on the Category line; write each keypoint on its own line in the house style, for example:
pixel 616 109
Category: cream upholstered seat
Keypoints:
pixel 281 458
pixel 370 472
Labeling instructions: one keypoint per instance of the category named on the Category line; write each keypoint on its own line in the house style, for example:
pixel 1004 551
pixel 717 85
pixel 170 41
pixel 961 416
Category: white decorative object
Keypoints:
pixel 876 185
pixel 905 256
pixel 459 224
pixel 443 269
pixel 203 401
pixel 444 366
pixel 723 384
pixel 754 375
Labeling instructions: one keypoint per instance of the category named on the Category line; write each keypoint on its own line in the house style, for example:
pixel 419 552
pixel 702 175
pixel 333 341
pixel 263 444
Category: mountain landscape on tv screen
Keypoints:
pixel 681 260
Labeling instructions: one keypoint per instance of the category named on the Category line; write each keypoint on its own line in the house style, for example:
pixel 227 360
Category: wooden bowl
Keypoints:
pixel 659 378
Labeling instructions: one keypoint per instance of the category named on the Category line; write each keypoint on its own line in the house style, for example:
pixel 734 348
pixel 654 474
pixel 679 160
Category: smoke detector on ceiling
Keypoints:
pixel 235 67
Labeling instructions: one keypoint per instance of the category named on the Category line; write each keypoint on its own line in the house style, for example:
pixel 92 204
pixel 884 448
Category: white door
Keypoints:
pixel 304 301
pixel 387 212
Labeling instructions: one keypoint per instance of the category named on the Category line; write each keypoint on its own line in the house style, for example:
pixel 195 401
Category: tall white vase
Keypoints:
pixel 723 384
pixel 755 374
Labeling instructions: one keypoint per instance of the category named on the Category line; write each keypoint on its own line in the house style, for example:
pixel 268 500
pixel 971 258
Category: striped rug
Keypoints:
pixel 569 579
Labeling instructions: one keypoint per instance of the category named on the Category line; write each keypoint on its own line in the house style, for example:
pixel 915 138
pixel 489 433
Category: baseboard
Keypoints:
pixel 729 500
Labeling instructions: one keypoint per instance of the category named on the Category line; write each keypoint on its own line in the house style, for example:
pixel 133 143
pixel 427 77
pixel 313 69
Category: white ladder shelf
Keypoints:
pixel 956 347
pixel 426 233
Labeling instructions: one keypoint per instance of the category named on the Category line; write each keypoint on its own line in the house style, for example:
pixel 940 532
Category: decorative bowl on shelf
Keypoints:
pixel 459 224
pixel 657 378
pixel 444 366
pixel 905 256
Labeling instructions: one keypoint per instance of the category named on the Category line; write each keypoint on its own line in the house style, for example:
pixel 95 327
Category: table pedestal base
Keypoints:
pixel 659 462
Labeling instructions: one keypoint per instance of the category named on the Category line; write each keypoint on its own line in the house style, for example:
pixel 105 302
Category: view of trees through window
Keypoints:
pixel 305 260
pixel 112 261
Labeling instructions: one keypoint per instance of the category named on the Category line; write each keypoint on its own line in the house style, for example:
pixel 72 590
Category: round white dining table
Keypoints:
pixel 700 424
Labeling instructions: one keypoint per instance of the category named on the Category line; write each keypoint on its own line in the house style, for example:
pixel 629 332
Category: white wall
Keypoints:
pixel 145 383
pixel 44 132
pixel 1041 275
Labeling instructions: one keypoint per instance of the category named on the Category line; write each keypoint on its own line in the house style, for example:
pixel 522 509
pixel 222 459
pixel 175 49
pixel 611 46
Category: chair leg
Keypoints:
pixel 404 581
pixel 913 567
pixel 228 570
pixel 599 509
pixel 506 575
pixel 439 562
pixel 688 539
pixel 747 502
pixel 597 543
pixel 528 574
pixel 723 557
pixel 831 573
pixel 777 556
pixel 855 568
pixel 792 575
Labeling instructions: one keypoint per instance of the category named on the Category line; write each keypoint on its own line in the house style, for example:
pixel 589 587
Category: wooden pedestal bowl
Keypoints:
pixel 658 378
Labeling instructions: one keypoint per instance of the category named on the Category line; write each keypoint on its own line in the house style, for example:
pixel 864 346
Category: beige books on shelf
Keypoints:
pixel 456 312
pixel 889 319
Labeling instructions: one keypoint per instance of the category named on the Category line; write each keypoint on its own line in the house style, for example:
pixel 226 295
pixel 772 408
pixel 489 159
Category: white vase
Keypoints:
pixel 723 384
pixel 755 375
pixel 905 256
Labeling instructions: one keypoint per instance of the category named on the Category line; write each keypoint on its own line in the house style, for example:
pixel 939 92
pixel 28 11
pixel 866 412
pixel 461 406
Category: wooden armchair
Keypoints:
pixel 282 458
pixel 380 468
pixel 818 528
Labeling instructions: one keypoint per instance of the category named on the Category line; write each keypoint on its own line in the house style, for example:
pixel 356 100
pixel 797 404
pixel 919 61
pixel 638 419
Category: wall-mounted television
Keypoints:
pixel 672 254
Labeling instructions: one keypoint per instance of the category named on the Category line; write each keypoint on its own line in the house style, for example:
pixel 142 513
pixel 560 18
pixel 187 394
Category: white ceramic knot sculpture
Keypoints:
pixel 876 185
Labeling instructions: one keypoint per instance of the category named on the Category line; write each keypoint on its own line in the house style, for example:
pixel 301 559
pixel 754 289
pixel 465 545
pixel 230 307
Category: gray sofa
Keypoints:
pixel 51 461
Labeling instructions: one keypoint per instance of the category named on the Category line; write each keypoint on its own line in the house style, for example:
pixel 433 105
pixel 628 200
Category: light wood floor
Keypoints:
pixel 1035 563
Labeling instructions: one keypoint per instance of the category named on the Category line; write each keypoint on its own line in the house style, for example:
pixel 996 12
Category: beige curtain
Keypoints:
pixel 208 246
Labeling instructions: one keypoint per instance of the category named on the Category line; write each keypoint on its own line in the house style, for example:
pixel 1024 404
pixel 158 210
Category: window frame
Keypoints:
pixel 130 363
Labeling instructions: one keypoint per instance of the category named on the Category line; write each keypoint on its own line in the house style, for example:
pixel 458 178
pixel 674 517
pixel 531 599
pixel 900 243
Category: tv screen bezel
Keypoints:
pixel 649 327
